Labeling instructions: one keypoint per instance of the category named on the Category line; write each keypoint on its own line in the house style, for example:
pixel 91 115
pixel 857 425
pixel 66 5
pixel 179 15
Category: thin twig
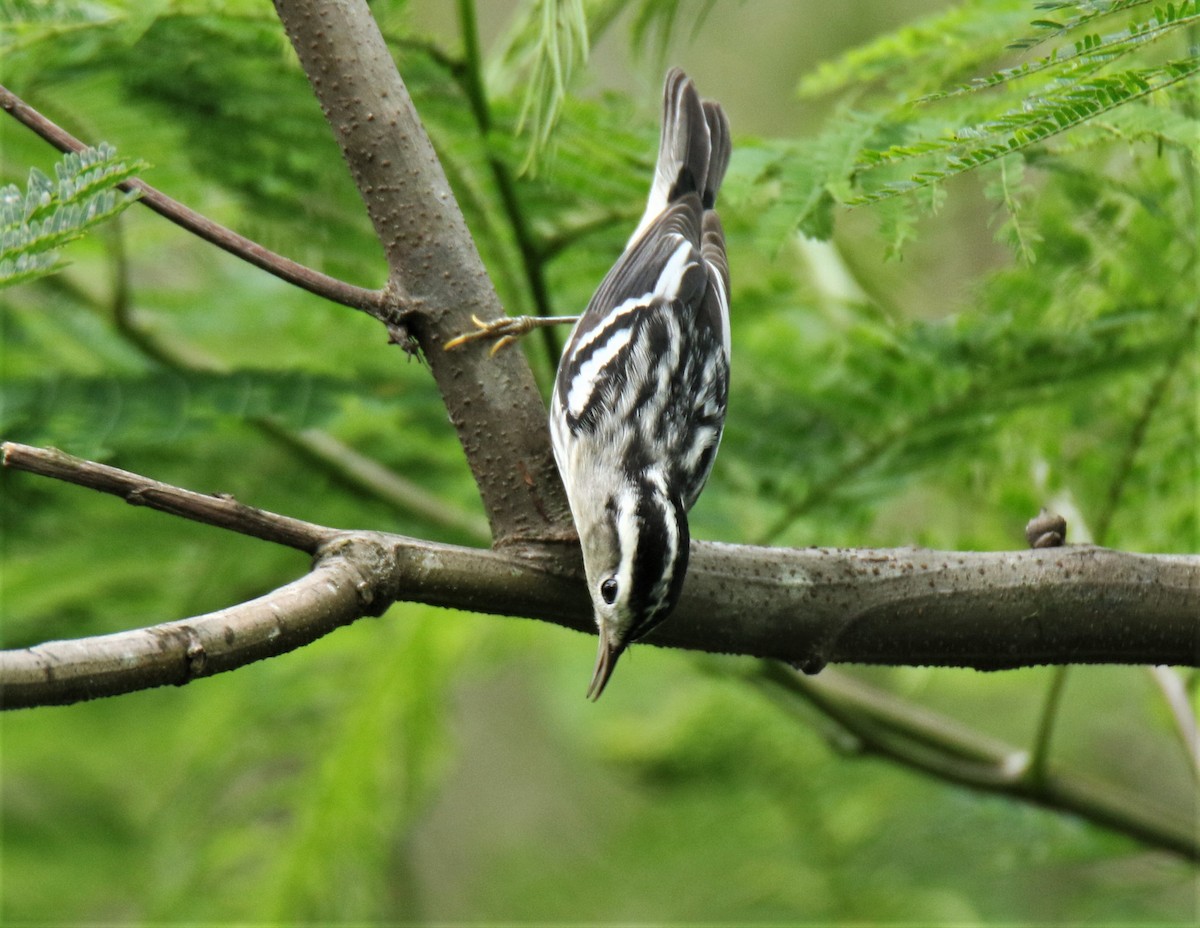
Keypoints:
pixel 318 447
pixel 372 302
pixel 221 510
pixel 889 726
pixel 911 736
pixel 1175 695
pixel 1039 765
pixel 569 235
pixel 368 476
pixel 915 723
pixel 824 488
pixel 1137 434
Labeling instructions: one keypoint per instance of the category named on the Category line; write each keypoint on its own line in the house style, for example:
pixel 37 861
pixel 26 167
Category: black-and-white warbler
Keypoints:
pixel 639 400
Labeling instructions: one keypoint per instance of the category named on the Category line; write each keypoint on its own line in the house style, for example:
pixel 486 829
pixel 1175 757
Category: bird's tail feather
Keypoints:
pixel 720 146
pixel 693 150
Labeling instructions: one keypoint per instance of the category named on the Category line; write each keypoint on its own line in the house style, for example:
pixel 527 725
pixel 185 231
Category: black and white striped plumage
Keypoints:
pixel 639 400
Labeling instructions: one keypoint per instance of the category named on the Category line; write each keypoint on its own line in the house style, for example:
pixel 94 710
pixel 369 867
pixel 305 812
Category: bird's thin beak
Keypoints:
pixel 606 661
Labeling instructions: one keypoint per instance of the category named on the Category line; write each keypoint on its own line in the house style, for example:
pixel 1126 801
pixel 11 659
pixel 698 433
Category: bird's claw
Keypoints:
pixel 505 331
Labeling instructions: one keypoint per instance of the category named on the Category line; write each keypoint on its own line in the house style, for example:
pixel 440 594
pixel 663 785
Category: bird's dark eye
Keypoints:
pixel 608 590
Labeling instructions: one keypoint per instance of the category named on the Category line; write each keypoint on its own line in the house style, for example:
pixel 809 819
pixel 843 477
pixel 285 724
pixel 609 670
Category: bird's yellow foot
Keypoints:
pixel 505 331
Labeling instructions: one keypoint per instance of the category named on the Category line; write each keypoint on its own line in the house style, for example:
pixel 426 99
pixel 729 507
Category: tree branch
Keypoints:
pixel 435 272
pixel 372 479
pixel 936 745
pixel 220 510
pixel 335 458
pixel 371 302
pixel 804 606
pixel 337 591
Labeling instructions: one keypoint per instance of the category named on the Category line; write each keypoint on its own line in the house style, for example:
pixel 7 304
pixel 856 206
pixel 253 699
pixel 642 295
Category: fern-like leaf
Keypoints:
pixel 1089 53
pixel 655 22
pixel 945 44
pixel 549 41
pixel 1065 108
pixel 1086 13
pixel 35 223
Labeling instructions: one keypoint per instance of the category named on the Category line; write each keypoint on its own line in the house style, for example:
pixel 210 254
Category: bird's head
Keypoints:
pixel 635 552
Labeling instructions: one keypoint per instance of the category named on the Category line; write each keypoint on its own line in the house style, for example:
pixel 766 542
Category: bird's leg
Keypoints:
pixel 507 330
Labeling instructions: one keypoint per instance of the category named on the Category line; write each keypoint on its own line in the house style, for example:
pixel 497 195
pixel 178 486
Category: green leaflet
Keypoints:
pixel 1017 130
pixel 53 211
pixel 1085 13
pixel 548 41
pixel 1110 60
pixel 1087 54
pixel 958 40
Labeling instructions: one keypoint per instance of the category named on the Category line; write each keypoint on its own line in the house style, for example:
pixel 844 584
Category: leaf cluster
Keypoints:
pixel 53 211
pixel 1097 74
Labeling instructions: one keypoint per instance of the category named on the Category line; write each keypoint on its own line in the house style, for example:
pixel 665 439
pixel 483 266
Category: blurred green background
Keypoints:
pixel 929 369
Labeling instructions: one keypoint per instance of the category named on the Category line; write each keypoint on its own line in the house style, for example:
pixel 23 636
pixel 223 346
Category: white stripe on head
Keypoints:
pixel 627 539
pixel 663 586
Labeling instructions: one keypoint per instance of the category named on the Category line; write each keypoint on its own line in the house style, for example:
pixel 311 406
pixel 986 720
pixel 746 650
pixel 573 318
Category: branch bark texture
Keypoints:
pixel 807 607
pixel 436 276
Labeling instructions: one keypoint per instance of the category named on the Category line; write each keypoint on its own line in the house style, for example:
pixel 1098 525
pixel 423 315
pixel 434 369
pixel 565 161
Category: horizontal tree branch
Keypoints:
pixel 809 607
pixel 373 302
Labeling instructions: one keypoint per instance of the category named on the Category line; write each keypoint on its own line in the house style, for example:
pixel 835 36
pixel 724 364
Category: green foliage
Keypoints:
pixel 431 767
pixel 548 41
pixel 98 413
pixel 54 211
pixel 655 22
pixel 1017 130
pixel 951 42
pixel 1090 80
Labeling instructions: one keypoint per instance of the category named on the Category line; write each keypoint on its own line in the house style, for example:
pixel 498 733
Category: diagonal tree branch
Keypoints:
pixel 804 606
pixel 336 592
pixel 369 301
pixel 926 741
pixel 219 509
pixel 435 273
pixel 436 278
